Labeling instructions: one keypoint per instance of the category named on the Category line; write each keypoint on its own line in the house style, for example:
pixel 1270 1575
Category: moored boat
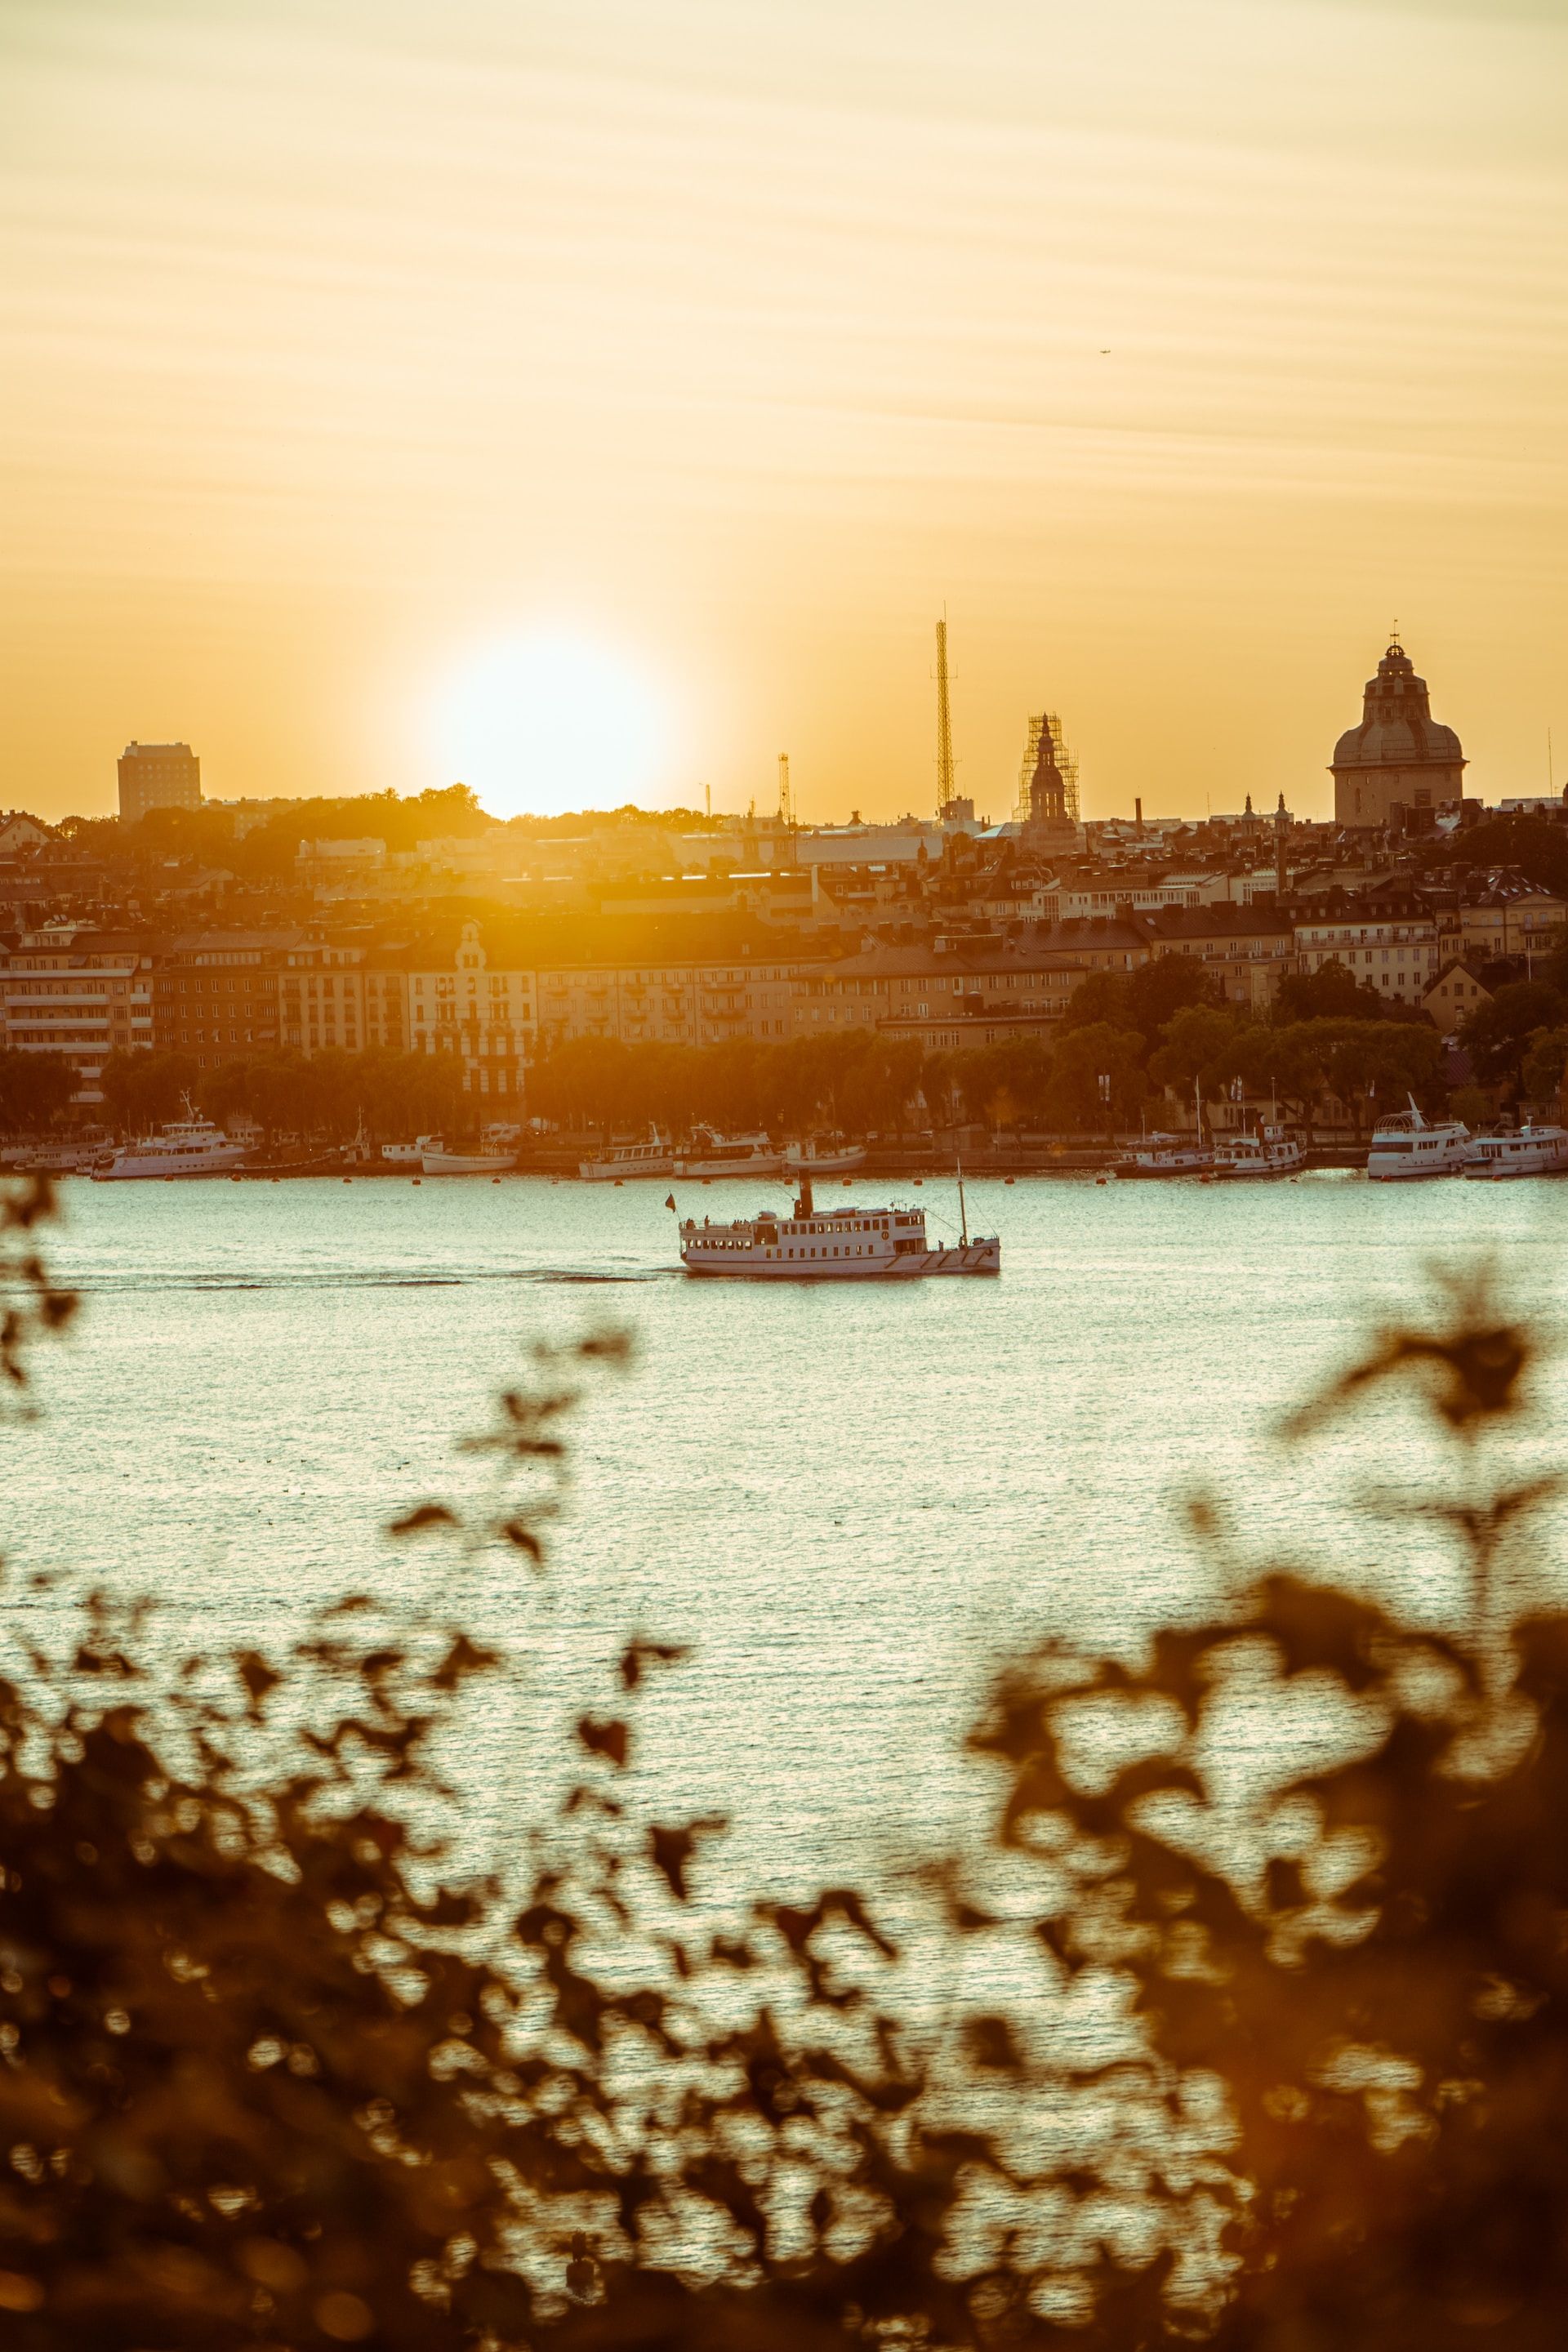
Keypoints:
pixel 652 1157
pixel 1406 1146
pixel 1268 1152
pixel 1166 1155
pixel 709 1153
pixel 437 1161
pixel 191 1146
pixel 1528 1150
pixel 825 1156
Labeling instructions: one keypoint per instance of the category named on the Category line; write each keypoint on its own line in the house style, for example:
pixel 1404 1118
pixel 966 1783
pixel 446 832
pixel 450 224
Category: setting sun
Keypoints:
pixel 546 722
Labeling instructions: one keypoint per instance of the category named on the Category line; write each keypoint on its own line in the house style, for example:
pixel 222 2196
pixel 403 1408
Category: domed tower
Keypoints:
pixel 1398 756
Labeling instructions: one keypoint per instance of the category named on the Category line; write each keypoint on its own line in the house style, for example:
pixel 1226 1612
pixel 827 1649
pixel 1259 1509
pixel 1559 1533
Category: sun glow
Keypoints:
pixel 545 722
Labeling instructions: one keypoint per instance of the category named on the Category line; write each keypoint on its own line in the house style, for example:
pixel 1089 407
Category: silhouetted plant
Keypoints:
pixel 1246 2024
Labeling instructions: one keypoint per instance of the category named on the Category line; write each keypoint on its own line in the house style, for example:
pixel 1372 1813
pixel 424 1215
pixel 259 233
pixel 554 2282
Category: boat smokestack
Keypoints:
pixel 804 1206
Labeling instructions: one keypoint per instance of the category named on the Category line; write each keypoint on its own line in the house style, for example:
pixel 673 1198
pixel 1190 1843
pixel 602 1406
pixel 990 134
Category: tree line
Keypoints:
pixel 35 1090
pixel 326 1097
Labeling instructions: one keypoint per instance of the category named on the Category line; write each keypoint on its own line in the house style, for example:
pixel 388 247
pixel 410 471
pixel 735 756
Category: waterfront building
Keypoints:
pixel 158 775
pixel 85 993
pixel 1389 938
pixel 1399 766
pixel 691 981
pixel 1247 950
pixel 217 994
pixel 474 1004
pixel 907 988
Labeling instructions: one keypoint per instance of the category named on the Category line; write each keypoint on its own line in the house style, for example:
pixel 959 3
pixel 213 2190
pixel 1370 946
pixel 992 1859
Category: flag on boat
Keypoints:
pixel 670 1201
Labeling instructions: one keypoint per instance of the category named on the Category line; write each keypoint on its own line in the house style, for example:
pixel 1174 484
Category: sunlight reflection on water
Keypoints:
pixel 851 1502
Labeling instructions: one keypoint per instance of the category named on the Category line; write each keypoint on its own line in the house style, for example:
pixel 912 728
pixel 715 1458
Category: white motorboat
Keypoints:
pixel 437 1161
pixel 709 1153
pixel 191 1146
pixel 1268 1152
pixel 1405 1145
pixel 1530 1150
pixel 405 1155
pixel 654 1157
pixel 1166 1155
pixel 811 1245
pixel 828 1157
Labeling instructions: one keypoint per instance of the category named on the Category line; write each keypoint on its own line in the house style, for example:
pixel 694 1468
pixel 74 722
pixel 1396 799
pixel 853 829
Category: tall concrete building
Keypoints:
pixel 1399 758
pixel 158 775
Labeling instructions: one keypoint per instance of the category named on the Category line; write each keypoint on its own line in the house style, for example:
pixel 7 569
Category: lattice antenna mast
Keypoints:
pixel 944 785
pixel 786 804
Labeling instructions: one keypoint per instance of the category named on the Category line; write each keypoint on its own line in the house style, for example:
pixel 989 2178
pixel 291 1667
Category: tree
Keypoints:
pixel 1332 992
pixel 1100 997
pixel 1534 846
pixel 36 1090
pixel 1169 984
pixel 1497 1035
pixel 1083 1056
pixel 1201 1045
pixel 144 1090
pixel 1540 1076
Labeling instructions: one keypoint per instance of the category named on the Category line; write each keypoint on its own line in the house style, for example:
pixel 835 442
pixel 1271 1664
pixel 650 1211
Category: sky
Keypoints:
pixel 595 398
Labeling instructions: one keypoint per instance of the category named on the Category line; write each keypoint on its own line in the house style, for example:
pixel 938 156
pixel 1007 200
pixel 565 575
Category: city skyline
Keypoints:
pixel 346 350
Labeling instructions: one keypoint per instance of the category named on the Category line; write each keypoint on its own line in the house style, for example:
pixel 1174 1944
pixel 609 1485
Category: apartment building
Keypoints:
pixel 690 983
pixel 158 775
pixel 1389 939
pixel 217 994
pixel 474 1004
pixel 81 992
pixel 1247 949
pixel 910 987
pixel 1511 919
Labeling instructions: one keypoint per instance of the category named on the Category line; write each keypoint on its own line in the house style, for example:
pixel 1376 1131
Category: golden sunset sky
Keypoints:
pixel 713 346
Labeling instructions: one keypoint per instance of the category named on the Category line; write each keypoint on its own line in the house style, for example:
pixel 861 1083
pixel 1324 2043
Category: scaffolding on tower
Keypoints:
pixel 1049 723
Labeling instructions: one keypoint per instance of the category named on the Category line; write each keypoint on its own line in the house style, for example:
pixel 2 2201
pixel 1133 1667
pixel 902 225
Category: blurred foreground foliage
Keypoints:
pixel 1246 2024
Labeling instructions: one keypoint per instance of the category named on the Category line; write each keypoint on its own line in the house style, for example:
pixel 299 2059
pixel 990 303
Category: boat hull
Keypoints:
pixel 826 1163
pixel 155 1168
pixel 972 1257
pixel 1163 1175
pixel 467 1163
pixel 765 1164
pixel 605 1172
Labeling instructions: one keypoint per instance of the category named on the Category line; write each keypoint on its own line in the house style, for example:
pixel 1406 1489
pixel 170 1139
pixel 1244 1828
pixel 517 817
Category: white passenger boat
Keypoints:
pixel 811 1245
pixel 1531 1150
pixel 1405 1145
pixel 826 1157
pixel 709 1153
pixel 655 1157
pixel 1166 1155
pixel 1269 1152
pixel 191 1146
pixel 437 1161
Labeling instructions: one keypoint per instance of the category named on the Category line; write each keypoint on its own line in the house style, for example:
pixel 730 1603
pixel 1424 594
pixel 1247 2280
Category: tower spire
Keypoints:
pixel 944 788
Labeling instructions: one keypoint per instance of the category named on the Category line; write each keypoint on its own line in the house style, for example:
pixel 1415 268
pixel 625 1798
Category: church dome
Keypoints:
pixel 1397 728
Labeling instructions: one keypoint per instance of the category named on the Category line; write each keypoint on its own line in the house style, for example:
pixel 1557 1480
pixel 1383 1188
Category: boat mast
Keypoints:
pixel 963 1212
